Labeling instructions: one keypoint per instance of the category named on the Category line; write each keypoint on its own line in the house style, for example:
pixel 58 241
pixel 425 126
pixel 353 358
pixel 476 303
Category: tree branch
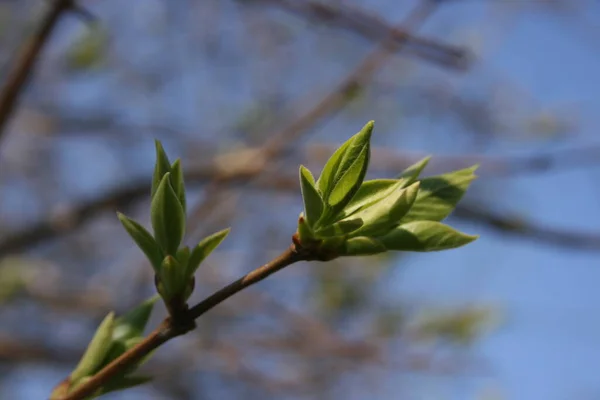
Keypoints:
pixel 170 328
pixel 25 62
pixel 373 27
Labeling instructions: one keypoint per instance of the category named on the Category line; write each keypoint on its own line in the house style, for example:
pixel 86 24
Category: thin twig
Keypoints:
pixel 25 61
pixel 170 329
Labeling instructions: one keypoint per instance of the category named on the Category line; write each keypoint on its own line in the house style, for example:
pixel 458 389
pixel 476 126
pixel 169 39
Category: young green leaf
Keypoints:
pixel 177 182
pixel 340 228
pixel 425 236
pixel 387 213
pixel 412 173
pixel 168 217
pixel 203 249
pixel 96 350
pixel 342 160
pixel 439 195
pixel 133 323
pixel 313 204
pixel 362 246
pixel 305 233
pixel 348 183
pixel 161 167
pixel 183 257
pixel 144 240
pixel 171 278
pixel 369 193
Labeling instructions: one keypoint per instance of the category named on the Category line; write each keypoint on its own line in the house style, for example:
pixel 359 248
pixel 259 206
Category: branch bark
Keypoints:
pixel 25 62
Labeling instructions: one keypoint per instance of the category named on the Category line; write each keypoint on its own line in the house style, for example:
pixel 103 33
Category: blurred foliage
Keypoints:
pixel 89 51
pixel 457 326
pixel 12 278
pixel 15 274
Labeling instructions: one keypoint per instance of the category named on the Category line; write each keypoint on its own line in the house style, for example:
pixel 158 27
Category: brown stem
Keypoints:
pixel 169 329
pixel 24 63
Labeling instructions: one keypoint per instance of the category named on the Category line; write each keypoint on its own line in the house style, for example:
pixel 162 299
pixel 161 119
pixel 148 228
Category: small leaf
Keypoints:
pixel 171 279
pixel 96 350
pixel 387 213
pixel 203 249
pixel 363 246
pixel 161 167
pixel 177 182
pixel 439 195
pixel 313 204
pixel 369 193
pixel 183 257
pixel 342 160
pixel 412 173
pixel 305 233
pixel 325 181
pixel 349 182
pixel 425 236
pixel 340 228
pixel 134 322
pixel 144 240
pixel 168 217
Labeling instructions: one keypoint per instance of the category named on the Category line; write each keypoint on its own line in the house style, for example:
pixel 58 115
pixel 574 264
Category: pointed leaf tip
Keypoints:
pixel 161 166
pixel 203 250
pixel 345 170
pixel 412 173
pixel 143 239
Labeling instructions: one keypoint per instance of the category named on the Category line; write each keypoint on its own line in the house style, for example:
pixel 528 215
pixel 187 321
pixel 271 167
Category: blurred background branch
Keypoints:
pixel 244 91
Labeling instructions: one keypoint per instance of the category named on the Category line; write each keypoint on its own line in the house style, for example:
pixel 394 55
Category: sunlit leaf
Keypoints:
pixel 425 236
pixel 363 246
pixel 387 213
pixel 348 164
pixel 340 228
pixel 371 192
pixel 439 195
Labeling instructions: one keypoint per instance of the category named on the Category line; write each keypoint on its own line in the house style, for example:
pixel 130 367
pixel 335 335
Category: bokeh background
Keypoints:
pixel 245 91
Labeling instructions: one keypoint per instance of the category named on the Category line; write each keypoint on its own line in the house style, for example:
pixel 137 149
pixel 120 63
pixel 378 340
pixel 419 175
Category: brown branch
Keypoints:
pixel 25 62
pixel 373 27
pixel 170 329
